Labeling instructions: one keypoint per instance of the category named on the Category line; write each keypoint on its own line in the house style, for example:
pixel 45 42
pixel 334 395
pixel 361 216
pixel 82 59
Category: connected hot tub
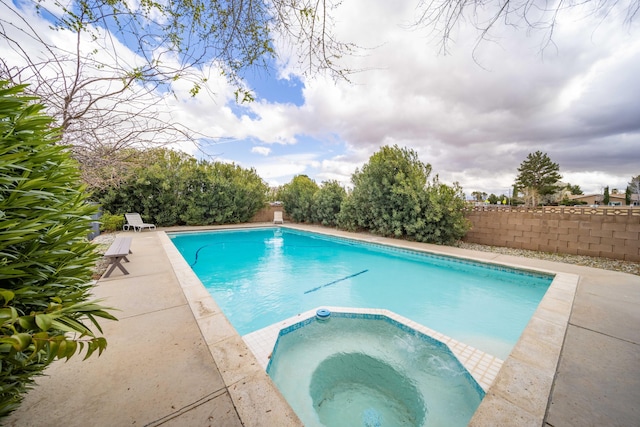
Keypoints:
pixel 344 369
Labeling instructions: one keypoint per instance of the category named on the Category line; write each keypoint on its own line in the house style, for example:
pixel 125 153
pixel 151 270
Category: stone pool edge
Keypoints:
pixel 256 399
pixel 520 393
pixel 518 396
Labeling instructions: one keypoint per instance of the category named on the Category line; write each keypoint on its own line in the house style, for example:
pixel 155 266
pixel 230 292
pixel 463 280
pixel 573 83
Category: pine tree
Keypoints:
pixel 538 176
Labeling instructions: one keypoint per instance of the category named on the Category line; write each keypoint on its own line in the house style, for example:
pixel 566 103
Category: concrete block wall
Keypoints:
pixel 266 214
pixel 580 232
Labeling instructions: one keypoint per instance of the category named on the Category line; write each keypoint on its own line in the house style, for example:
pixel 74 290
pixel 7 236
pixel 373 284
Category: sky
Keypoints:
pixel 473 114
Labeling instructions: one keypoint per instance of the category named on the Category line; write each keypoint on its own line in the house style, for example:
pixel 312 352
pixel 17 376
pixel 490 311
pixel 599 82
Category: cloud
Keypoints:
pixel 265 151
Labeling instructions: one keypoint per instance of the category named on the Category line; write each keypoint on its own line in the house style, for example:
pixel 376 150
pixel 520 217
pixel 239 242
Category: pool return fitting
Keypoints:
pixel 323 314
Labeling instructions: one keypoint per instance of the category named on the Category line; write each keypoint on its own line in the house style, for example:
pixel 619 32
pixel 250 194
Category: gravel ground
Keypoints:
pixel 587 261
pixel 105 240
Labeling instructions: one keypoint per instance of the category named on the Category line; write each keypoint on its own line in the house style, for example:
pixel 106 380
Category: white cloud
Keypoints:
pixel 265 151
pixel 278 170
pixel 594 182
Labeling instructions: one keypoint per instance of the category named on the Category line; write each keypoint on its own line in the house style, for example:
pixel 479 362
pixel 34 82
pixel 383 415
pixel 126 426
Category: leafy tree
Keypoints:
pixel 151 185
pixel 515 199
pixel 204 199
pixel 347 218
pixel 246 192
pixel 538 176
pixel 392 197
pixel 504 199
pixel 297 198
pixel 273 193
pixel 574 189
pixel 326 203
pixel 493 199
pixel 45 259
pixel 445 222
pixel 175 188
pixel 606 197
pixel 562 198
pixel 479 196
pixel 388 192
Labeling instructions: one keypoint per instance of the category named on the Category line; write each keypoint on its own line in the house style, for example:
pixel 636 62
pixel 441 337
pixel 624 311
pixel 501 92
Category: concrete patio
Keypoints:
pixel 174 360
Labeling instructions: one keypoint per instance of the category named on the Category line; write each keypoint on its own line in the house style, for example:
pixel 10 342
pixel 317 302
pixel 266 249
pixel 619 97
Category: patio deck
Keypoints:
pixel 174 360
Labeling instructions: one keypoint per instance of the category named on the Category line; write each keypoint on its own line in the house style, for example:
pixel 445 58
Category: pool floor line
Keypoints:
pixel 482 366
pixel 335 281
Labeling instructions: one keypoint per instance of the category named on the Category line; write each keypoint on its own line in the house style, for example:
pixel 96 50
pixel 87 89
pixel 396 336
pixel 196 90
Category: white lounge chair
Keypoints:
pixel 134 220
pixel 277 217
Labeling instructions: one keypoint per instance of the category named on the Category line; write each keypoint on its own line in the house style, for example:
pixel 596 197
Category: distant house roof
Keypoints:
pixel 596 196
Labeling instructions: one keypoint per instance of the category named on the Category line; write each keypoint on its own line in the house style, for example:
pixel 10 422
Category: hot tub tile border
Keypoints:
pixel 263 342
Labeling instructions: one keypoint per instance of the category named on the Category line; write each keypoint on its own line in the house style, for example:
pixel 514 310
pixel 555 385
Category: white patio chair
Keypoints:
pixel 135 220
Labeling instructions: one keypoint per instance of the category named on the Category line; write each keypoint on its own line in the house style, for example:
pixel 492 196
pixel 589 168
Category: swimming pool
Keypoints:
pixel 261 276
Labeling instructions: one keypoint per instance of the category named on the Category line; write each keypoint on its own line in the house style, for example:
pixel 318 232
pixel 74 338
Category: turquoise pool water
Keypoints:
pixel 262 276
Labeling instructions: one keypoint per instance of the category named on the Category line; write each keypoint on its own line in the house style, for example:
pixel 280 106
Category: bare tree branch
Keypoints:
pixel 443 17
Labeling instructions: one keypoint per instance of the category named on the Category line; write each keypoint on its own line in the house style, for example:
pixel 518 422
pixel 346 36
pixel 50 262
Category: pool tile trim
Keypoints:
pixel 482 366
pixel 508 397
pixel 523 271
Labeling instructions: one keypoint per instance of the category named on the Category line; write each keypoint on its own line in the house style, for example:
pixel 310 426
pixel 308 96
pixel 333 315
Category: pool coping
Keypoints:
pixel 519 393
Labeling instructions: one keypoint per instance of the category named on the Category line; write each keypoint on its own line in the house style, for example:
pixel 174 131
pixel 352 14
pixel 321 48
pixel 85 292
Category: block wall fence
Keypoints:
pixel 266 214
pixel 601 232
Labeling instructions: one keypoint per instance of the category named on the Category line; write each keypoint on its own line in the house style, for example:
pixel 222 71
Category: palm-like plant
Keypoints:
pixel 45 259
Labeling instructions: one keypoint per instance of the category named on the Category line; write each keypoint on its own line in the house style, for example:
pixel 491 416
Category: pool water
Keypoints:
pixel 261 276
pixel 357 371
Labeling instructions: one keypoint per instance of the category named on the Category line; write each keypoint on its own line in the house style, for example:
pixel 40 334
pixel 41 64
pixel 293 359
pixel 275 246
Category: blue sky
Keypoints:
pixel 473 114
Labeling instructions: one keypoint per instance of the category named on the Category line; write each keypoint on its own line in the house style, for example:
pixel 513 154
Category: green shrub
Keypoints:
pixel 347 218
pixel 173 188
pixel 222 193
pixel 297 198
pixel 45 260
pixel 110 222
pixel 445 222
pixel 387 195
pixel 392 197
pixel 326 203
pixel 569 202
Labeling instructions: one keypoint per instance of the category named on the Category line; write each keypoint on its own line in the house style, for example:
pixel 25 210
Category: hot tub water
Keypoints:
pixel 365 370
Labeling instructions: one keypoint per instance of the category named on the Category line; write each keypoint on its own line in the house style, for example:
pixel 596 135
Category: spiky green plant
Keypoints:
pixel 45 259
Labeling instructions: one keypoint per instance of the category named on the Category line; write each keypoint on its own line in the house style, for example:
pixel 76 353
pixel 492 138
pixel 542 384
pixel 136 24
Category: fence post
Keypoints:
pixel 95 224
